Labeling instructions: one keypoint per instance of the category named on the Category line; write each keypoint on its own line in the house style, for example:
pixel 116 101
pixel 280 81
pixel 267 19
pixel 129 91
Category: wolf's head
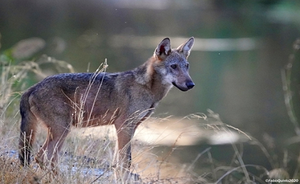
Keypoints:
pixel 173 65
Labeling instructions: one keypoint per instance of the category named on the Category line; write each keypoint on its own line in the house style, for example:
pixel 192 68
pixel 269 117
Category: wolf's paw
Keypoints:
pixel 127 177
pixel 134 177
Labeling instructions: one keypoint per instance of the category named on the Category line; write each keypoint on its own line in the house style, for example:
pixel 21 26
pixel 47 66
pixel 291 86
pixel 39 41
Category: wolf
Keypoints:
pixel 123 99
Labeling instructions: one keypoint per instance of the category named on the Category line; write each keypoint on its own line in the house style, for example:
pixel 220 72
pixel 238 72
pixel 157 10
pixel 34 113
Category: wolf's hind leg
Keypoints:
pixel 51 147
pixel 39 158
pixel 55 142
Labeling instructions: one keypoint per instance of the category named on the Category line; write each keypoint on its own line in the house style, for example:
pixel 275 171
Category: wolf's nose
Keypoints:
pixel 190 84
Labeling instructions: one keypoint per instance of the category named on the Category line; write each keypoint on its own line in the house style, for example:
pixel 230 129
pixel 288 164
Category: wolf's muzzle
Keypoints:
pixel 190 84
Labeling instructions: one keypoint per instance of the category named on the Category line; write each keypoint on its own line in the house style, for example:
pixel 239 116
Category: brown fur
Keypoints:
pixel 123 99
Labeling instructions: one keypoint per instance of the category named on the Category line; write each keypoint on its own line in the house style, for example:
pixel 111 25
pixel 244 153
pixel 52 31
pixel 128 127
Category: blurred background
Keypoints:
pixel 241 48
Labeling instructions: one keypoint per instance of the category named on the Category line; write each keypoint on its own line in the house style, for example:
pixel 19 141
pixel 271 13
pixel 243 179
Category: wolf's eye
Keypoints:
pixel 174 66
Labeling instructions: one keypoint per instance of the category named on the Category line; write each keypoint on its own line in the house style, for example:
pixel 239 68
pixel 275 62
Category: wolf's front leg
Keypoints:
pixel 125 133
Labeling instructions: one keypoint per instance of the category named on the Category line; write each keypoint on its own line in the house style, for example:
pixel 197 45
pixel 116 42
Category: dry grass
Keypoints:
pixel 86 159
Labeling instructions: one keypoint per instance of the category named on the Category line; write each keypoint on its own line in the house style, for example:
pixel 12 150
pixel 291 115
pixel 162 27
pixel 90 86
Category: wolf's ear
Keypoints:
pixel 163 49
pixel 186 47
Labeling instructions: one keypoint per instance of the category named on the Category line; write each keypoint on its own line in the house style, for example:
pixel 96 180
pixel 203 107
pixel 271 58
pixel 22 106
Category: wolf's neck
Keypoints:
pixel 149 77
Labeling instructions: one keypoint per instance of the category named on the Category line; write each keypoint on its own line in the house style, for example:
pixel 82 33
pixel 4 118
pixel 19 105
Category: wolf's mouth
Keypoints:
pixel 188 85
pixel 179 87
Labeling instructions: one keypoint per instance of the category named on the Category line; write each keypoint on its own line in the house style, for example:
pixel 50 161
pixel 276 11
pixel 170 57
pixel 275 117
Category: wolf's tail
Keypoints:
pixel 28 129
